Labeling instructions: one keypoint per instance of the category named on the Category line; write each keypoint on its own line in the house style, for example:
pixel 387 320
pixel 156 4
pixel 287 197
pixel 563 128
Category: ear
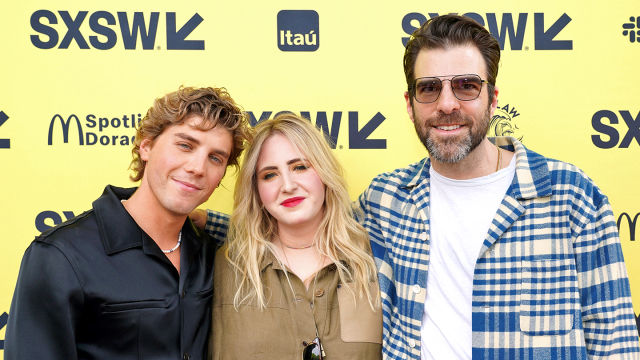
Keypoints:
pixel 145 149
pixel 494 104
pixel 407 98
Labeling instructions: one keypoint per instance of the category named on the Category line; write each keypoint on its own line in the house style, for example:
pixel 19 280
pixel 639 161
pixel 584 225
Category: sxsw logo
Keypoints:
pixel 54 217
pixel 629 29
pixel 95 124
pixel 4 143
pixel 102 23
pixel 613 136
pixel 358 136
pixel 544 34
pixel 298 30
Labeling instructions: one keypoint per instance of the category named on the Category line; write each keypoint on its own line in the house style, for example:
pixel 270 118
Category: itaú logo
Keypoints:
pixel 101 125
pixel 298 30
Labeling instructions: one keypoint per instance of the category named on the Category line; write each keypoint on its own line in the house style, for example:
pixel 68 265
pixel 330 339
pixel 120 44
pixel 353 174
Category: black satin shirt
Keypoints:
pixel 98 287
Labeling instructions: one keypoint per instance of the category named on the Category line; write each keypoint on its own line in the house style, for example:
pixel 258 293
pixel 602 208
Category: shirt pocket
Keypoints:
pixel 204 294
pixel 134 305
pixel 549 297
pixel 358 322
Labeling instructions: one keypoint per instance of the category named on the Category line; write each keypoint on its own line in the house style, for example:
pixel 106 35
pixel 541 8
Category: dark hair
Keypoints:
pixel 446 31
pixel 214 105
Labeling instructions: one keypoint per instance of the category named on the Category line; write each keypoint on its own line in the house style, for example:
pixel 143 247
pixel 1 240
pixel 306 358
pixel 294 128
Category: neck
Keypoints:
pixel 481 161
pixel 154 219
pixel 297 237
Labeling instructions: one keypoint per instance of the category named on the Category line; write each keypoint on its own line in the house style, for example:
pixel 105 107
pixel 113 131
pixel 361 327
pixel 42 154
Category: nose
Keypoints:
pixel 288 183
pixel 447 102
pixel 196 164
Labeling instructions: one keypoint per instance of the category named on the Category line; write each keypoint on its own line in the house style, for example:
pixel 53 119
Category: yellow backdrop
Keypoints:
pixel 568 88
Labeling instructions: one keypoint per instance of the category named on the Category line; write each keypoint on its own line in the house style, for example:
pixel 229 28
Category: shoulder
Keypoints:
pixel 71 231
pixel 568 178
pixel 390 182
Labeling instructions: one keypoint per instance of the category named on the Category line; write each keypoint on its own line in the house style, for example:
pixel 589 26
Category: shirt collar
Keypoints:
pixel 120 232
pixel 532 178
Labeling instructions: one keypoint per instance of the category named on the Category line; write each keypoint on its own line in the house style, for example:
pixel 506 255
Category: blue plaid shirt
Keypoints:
pixel 550 280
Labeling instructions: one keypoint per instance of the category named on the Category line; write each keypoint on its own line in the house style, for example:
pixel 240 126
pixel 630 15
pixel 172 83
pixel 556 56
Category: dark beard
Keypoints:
pixel 452 150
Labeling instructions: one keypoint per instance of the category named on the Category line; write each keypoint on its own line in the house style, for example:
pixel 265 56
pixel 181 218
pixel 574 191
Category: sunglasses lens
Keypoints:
pixel 427 89
pixel 312 351
pixel 466 87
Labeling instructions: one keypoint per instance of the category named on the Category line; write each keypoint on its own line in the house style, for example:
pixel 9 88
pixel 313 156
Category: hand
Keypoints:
pixel 199 218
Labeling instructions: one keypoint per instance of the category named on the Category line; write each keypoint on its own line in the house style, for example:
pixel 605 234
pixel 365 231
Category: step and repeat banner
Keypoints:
pixel 76 77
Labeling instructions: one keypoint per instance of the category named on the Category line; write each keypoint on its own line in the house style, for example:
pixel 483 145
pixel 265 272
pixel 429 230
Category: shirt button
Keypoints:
pixel 423 236
pixel 412 343
pixel 186 356
pixel 297 298
pixel 416 289
pixel 184 293
pixel 319 292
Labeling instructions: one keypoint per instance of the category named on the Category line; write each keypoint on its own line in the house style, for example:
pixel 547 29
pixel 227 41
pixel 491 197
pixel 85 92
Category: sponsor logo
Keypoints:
pixel 3 322
pixel 612 135
pixel 4 143
pixel 298 30
pixel 129 27
pixel 629 29
pixel 543 39
pixel 54 217
pixel 358 136
pixel 94 123
pixel 631 222
pixel 503 123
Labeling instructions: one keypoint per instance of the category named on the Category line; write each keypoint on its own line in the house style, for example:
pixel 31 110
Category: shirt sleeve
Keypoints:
pixel 46 307
pixel 369 219
pixel 607 310
pixel 217 226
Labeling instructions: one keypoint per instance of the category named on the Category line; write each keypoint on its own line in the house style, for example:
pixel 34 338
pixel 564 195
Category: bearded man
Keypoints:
pixel 487 249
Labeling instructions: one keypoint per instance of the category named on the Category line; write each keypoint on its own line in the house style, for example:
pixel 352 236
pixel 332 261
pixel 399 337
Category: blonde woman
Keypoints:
pixel 296 279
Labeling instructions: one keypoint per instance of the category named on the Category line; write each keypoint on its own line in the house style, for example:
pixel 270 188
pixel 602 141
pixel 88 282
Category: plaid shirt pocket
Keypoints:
pixel 549 297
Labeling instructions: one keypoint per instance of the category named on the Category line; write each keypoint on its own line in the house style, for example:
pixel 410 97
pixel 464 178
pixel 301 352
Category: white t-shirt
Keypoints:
pixel 460 214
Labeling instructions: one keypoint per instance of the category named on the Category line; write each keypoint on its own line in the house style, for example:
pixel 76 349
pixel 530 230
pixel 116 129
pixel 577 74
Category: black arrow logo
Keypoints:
pixel 544 39
pixel 4 143
pixel 358 138
pixel 176 39
pixel 3 322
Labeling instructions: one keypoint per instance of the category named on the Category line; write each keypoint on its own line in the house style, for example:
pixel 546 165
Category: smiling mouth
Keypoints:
pixel 448 127
pixel 295 201
pixel 186 185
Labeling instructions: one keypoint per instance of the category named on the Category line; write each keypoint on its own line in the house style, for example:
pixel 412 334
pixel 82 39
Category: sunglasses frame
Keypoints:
pixel 316 342
pixel 412 87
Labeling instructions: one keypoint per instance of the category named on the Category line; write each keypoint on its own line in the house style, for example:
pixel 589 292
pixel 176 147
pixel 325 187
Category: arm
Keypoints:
pixel 217 226
pixel 607 311
pixel 46 307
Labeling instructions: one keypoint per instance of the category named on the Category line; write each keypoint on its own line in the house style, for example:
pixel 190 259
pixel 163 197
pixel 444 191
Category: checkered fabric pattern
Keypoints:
pixel 217 226
pixel 550 280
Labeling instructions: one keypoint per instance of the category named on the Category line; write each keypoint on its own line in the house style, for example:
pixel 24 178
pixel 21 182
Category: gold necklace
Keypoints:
pixel 499 158
pixel 289 264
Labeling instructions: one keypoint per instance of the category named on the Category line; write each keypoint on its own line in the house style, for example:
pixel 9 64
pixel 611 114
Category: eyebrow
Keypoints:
pixel 292 161
pixel 197 142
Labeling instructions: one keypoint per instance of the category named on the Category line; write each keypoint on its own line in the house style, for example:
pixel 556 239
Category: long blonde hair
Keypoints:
pixel 252 227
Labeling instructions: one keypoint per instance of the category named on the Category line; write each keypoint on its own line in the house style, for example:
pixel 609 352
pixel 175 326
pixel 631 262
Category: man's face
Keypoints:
pixel 450 128
pixel 184 165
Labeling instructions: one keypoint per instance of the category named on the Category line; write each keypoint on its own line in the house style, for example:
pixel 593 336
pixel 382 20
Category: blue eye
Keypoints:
pixel 300 167
pixel 268 176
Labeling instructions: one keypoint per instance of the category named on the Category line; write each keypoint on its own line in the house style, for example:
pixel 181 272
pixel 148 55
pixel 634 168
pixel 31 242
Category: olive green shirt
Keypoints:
pixel 347 329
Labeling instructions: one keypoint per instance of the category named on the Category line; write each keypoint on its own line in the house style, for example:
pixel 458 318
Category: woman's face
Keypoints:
pixel 289 187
